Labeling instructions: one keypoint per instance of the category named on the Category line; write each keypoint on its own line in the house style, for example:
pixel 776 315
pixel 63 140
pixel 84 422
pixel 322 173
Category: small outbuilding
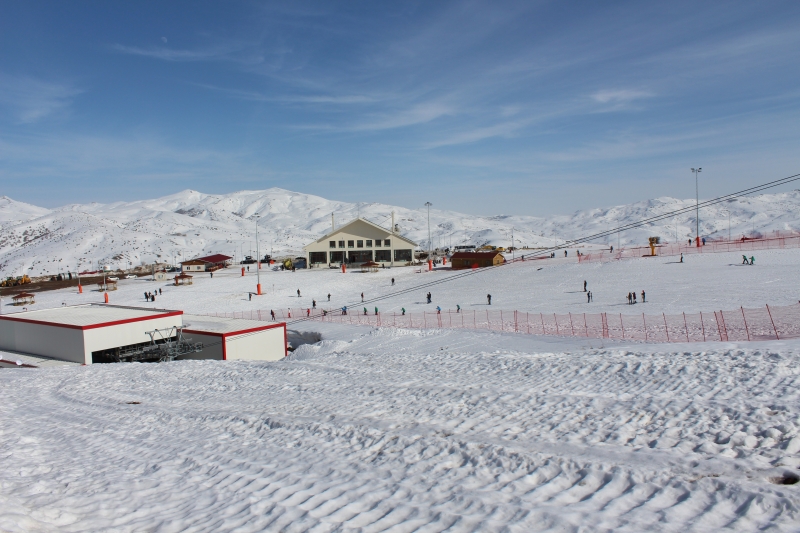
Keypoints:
pixel 209 263
pixel 23 298
pixel 227 339
pixel 183 279
pixel 370 266
pixel 107 285
pixel 462 260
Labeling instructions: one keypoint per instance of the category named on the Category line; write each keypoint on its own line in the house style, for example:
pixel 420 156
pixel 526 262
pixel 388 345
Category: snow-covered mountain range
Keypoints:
pixel 40 241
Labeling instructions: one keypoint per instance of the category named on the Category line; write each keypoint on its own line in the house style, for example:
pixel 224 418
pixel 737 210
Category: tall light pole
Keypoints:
pixel 428 204
pixel 258 265
pixel 697 199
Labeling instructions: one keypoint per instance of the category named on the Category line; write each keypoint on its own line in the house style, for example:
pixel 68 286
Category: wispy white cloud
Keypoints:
pixel 236 52
pixel 620 96
pixel 30 100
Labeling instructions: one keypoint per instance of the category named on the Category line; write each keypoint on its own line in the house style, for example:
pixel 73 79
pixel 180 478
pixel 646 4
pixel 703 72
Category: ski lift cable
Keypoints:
pixel 706 203
pixel 632 225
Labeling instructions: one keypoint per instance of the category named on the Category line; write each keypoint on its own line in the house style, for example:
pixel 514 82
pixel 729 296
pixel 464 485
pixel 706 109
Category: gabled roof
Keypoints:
pixel 365 221
pixel 216 258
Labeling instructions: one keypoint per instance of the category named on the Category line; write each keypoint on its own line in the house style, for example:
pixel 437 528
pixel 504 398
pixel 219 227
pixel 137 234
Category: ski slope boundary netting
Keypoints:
pixel 764 323
pixel 777 240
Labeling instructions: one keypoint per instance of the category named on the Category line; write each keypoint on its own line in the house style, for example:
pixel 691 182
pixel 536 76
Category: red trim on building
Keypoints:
pixel 224 336
pixel 92 326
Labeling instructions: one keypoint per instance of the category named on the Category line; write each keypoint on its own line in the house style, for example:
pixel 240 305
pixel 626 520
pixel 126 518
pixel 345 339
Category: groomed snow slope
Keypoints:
pixel 410 431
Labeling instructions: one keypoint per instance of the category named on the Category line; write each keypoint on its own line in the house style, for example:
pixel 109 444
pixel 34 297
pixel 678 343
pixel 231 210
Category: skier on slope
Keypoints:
pixel 403 310
pixel 752 260
pixel 744 260
pixel 458 308
pixel 489 299
pixel 438 310
pixel 376 311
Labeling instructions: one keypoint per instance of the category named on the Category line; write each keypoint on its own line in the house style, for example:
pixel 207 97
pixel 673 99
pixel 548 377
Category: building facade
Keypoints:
pixel 209 263
pixel 461 260
pixel 360 241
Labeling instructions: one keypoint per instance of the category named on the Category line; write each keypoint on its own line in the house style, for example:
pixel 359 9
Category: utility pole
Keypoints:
pixel 697 200
pixel 428 204
pixel 258 264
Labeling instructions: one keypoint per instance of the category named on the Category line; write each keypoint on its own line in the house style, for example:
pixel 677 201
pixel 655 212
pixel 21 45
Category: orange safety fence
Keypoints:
pixel 775 240
pixel 762 323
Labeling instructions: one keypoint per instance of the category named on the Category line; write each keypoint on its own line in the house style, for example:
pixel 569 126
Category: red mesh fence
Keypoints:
pixel 745 245
pixel 763 323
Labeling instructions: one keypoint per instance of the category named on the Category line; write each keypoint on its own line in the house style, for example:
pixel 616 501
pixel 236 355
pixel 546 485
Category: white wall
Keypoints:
pixel 267 345
pixel 49 341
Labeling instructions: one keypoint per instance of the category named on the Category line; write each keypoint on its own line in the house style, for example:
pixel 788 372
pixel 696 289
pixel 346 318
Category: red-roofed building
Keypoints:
pixel 208 263
pixel 461 260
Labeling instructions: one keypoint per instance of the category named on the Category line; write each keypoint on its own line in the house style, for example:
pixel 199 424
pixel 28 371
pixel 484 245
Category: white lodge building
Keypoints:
pixel 360 241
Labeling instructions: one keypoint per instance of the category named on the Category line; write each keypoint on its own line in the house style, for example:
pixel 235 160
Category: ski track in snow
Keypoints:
pixel 409 431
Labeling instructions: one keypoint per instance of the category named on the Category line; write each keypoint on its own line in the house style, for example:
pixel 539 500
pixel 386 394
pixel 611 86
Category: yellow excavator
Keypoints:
pixel 653 241
pixel 13 282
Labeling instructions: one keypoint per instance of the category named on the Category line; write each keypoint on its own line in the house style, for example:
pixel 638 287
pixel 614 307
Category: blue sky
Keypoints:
pixel 483 107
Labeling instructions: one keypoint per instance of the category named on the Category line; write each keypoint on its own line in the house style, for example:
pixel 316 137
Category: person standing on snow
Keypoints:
pixel 752 260
pixel 376 311
pixel 308 312
pixel 250 296
pixel 403 310
pixel 489 298
pixel 681 258
pixel 392 282
pixel 272 314
pixel 630 300
pixel 313 304
pixel 438 310
pixel 329 297
pixel 588 297
pixel 365 311
pixel 584 285
pixel 591 296
pixel 744 260
pixel 298 293
pixel 344 310
pixel 362 297
pixel 428 296
pixel 634 296
pixel 643 300
pixel 458 308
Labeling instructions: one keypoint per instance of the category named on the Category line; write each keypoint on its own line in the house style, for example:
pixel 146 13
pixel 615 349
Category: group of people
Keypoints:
pixel 151 297
pixel 746 262
pixel 632 297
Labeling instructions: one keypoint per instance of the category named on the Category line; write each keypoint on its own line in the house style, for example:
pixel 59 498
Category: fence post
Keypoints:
pixel 685 327
pixel 425 320
pixel 474 320
pixel 645 327
pixel 516 330
pixel 702 326
pixel 665 325
pixel 773 323
pixel 585 325
pixel 745 323
pixel 570 325
pixel 604 321
pixel 621 325
pixel 502 323
pixel 541 317
pixel 724 327
pixel 556 319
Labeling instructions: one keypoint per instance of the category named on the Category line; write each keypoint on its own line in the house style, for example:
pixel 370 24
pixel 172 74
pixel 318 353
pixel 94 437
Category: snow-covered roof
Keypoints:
pixel 365 221
pixel 89 315
pixel 224 326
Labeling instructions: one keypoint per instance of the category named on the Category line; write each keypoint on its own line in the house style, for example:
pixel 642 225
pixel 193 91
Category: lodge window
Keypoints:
pixel 333 244
pixel 386 243
pixel 341 244
pixel 350 244
pixel 377 243
pixel 369 243
pixel 359 244
pixel 383 256
pixel 402 255
pixel 316 258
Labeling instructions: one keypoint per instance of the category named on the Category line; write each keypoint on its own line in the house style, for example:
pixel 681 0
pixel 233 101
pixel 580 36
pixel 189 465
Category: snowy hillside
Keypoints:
pixel 41 241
